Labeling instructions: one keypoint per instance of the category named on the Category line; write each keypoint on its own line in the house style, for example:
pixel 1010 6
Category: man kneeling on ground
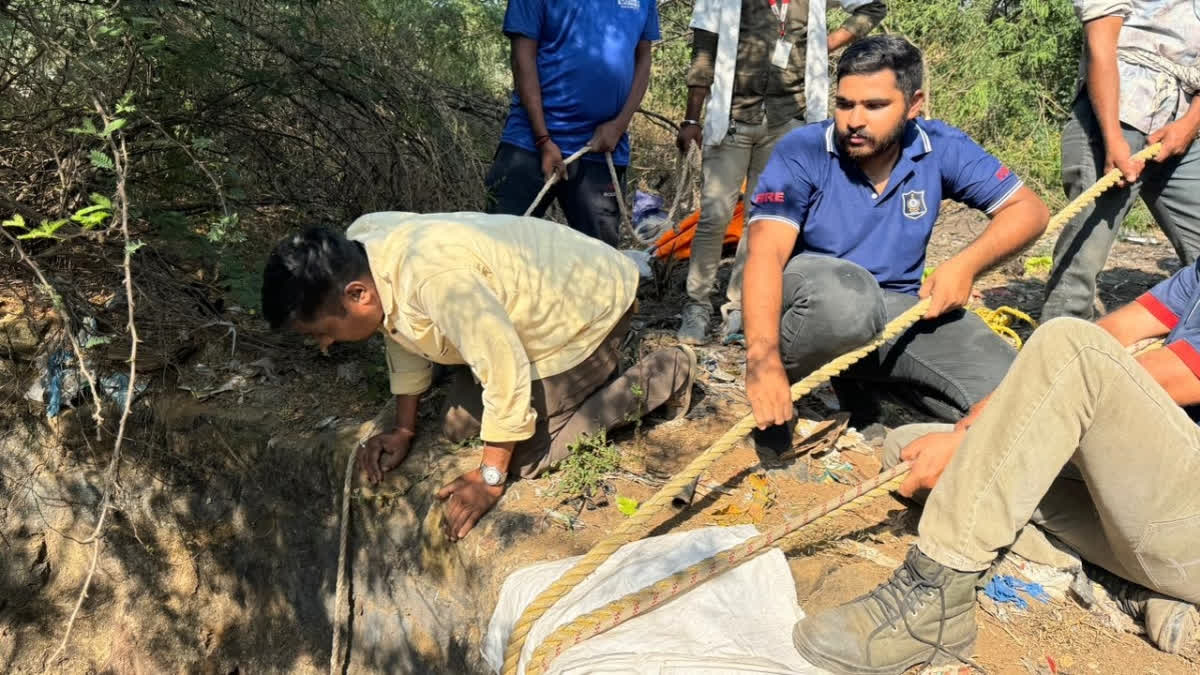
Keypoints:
pixel 1095 446
pixel 533 313
pixel 841 218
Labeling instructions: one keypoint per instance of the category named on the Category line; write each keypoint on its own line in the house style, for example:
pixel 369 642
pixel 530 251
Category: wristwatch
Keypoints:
pixel 492 475
pixel 687 122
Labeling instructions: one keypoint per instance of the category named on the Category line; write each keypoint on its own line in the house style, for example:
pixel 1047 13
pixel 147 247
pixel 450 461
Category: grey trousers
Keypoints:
pixel 741 155
pixel 943 366
pixel 1171 190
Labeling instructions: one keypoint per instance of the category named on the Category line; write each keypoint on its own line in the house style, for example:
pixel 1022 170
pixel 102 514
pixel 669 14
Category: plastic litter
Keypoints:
pixel 648 216
pixel 116 386
pixel 57 381
pixel 642 260
pixel 61 382
pixel 1006 589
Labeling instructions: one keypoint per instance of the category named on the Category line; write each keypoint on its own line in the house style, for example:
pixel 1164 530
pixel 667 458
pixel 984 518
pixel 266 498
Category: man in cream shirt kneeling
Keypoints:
pixel 532 312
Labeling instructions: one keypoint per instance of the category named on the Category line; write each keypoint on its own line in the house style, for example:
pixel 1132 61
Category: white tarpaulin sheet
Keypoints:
pixel 739 622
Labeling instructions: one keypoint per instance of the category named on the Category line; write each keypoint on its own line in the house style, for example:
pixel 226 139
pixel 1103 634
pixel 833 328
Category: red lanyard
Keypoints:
pixel 780 14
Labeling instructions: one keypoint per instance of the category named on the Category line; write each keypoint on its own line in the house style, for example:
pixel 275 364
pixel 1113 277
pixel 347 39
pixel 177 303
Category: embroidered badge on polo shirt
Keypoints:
pixel 914 204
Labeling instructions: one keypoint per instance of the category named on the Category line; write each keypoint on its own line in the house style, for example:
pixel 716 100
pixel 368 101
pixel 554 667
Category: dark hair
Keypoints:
pixel 306 273
pixel 879 52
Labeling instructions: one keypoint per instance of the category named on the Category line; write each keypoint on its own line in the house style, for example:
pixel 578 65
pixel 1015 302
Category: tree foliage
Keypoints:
pixel 1004 72
pixel 335 107
pixel 330 109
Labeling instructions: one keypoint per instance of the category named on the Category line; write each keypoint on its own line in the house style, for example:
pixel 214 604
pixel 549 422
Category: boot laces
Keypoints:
pixel 903 597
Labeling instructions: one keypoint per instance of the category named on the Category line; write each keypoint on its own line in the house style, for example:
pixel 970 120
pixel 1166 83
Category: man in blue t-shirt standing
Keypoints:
pixel 839 224
pixel 580 69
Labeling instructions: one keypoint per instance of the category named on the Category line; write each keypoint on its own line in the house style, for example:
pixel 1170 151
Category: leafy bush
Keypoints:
pixel 254 118
pixel 1005 72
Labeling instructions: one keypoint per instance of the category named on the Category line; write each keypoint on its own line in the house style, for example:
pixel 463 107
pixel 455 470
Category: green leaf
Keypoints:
pixel 44 231
pixel 133 246
pixel 96 341
pixel 627 506
pixel 1038 264
pixel 94 215
pixel 15 221
pixel 100 160
pixel 88 128
pixel 113 125
pixel 88 210
pixel 123 106
pixel 91 216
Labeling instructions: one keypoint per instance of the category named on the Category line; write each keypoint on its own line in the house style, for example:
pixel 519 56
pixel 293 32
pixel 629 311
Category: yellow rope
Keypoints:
pixel 1089 195
pixel 642 601
pixel 633 527
pixel 1000 320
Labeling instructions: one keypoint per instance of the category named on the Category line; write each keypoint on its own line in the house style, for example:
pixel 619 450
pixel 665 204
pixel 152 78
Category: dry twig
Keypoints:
pixel 120 168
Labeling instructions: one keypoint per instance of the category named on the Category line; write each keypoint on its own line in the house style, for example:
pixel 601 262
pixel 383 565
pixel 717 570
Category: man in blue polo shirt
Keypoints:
pixel 580 70
pixel 841 218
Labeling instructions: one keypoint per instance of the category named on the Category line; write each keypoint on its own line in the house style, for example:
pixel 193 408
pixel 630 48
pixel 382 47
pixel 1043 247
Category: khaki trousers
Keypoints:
pixel 741 155
pixel 1081 441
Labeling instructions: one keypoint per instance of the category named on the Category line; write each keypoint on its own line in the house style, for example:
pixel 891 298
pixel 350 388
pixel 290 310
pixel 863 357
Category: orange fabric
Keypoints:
pixel 678 242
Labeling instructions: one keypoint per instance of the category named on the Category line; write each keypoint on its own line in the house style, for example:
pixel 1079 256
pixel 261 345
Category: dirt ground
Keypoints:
pixel 220 553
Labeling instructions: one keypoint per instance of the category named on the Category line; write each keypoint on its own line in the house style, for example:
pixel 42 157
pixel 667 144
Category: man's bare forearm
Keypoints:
pixel 498 455
pixel 1014 227
pixel 527 83
pixel 641 81
pixel 972 414
pixel 406 412
pixel 1131 323
pixel 1172 374
pixel 840 38
pixel 1193 112
pixel 762 299
pixel 1103 76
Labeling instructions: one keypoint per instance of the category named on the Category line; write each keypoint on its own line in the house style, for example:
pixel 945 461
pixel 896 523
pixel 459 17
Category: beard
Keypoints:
pixel 873 145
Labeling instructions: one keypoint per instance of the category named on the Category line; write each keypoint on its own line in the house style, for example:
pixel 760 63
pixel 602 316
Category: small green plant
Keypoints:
pixel 88 218
pixel 1038 264
pixel 592 458
pixel 1139 220
pixel 627 505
